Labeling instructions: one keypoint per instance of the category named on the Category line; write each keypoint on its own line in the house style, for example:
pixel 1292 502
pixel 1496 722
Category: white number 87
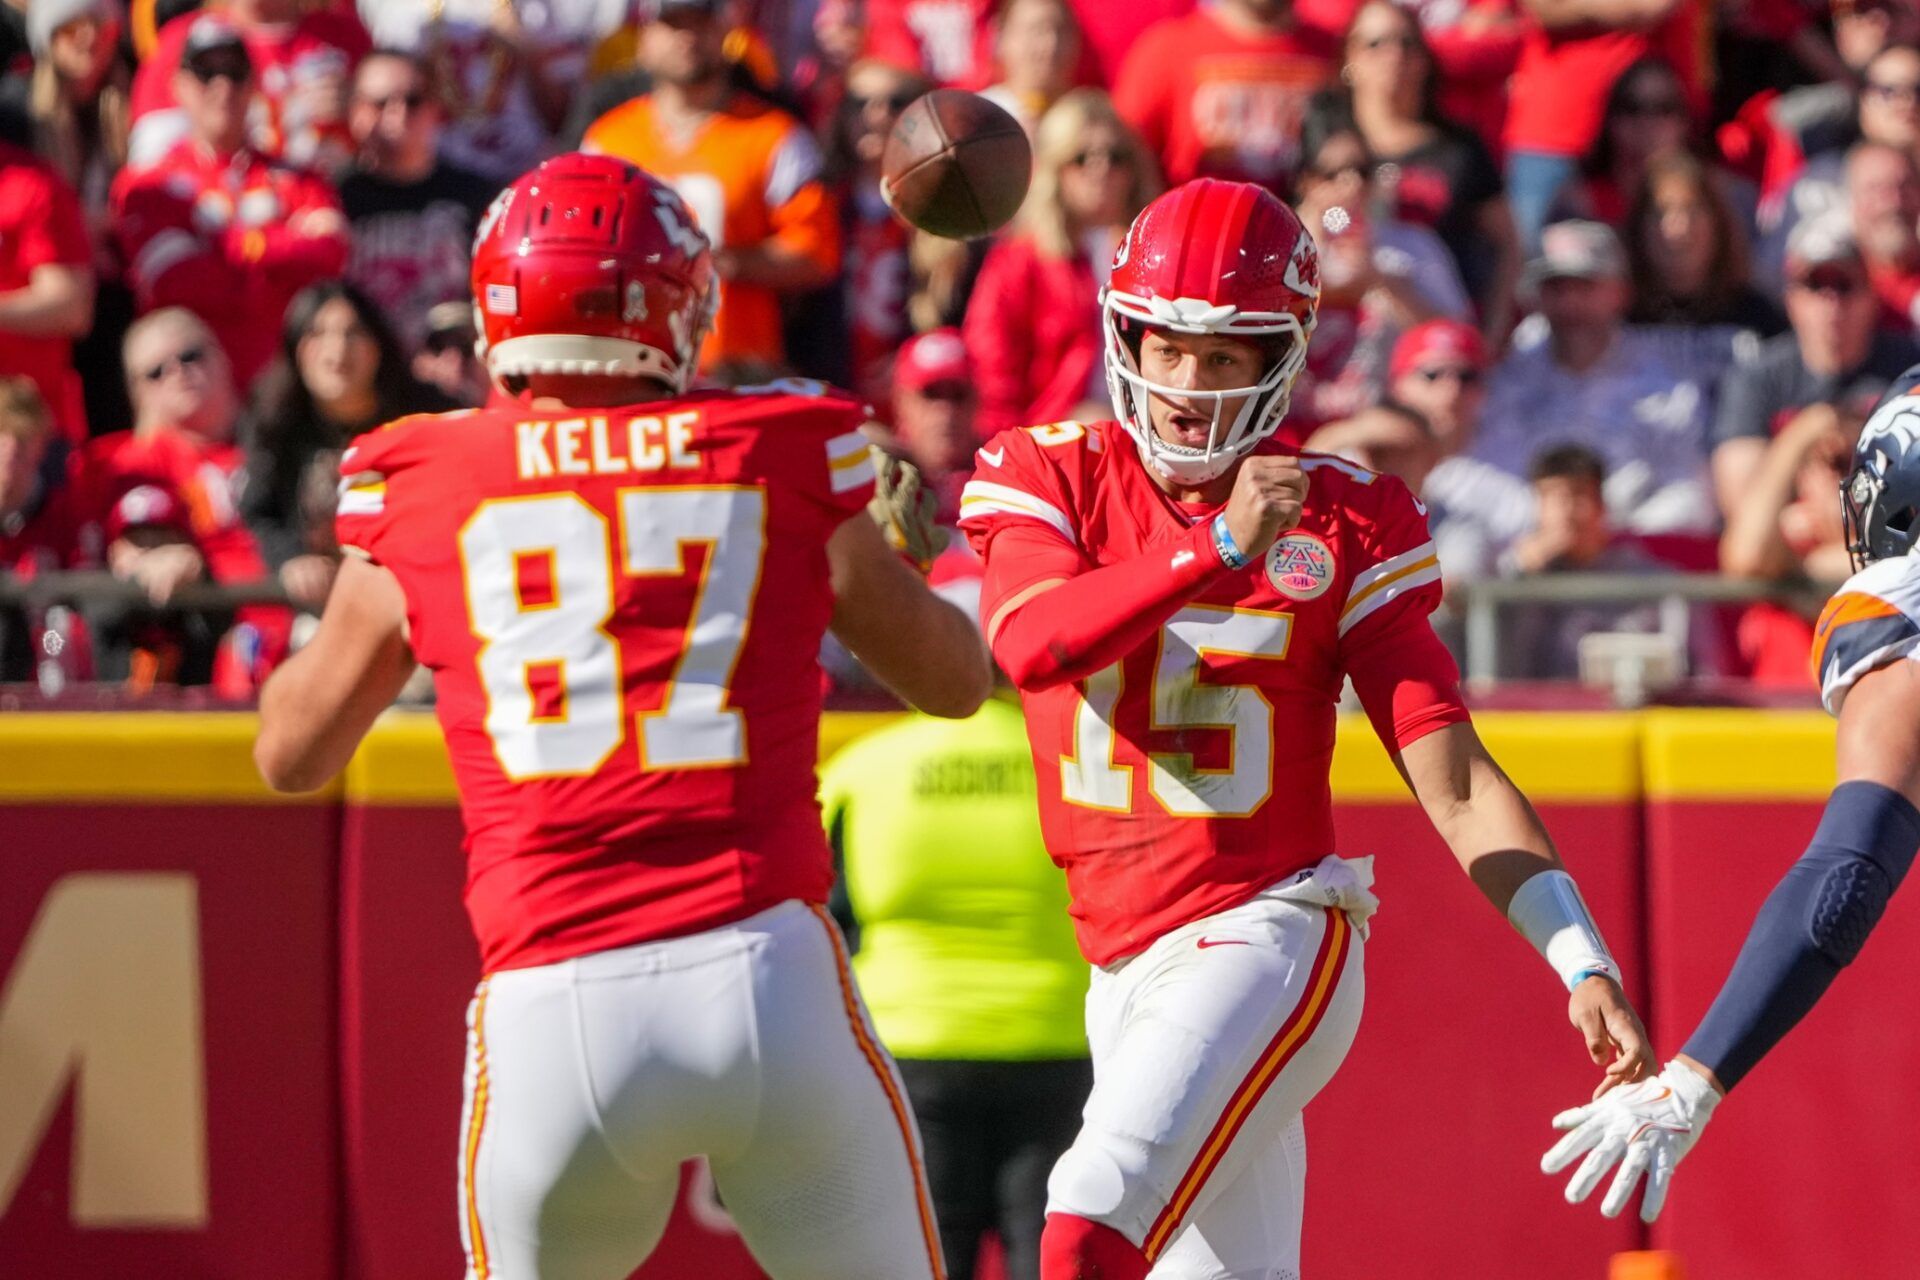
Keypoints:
pixel 564 637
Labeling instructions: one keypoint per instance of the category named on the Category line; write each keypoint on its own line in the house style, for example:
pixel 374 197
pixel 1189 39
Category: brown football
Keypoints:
pixel 955 165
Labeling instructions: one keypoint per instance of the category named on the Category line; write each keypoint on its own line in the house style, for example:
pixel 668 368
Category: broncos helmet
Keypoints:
pixel 1880 498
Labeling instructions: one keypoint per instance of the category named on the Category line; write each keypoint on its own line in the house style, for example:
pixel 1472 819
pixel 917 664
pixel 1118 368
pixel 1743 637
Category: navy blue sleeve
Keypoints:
pixel 1811 926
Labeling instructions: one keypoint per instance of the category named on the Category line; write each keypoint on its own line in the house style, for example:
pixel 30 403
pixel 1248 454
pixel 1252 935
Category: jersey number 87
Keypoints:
pixel 563 643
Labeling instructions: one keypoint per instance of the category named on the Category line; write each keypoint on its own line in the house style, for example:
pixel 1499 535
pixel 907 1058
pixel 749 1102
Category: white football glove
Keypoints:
pixel 1652 1124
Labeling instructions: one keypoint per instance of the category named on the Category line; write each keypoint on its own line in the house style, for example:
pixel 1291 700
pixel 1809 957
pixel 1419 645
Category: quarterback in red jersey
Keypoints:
pixel 1179 602
pixel 620 589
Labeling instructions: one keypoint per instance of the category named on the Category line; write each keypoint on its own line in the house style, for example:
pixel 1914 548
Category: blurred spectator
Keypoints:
pixel 1033 321
pixel 1475 46
pixel 1378 276
pixel 184 443
pixel 1441 175
pixel 1646 117
pixel 1593 382
pixel 341 372
pixel 750 173
pixel 37 531
pixel 214 226
pixel 819 77
pixel 874 266
pixel 968 965
pixel 1571 54
pixel 949 41
pixel 46 284
pixel 1393 439
pixel 447 360
pixel 1834 355
pixel 1687 253
pixel 77 96
pixel 1571 535
pixel 1883 195
pixel 935 413
pixel 505 72
pixel 412 214
pixel 1888 113
pixel 1221 92
pixel 1784 526
pixel 1475 509
pixel 1036 48
pixel 302 57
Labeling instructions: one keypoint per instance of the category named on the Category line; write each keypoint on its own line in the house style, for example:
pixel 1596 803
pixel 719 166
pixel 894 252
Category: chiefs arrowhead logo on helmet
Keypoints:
pixel 1303 268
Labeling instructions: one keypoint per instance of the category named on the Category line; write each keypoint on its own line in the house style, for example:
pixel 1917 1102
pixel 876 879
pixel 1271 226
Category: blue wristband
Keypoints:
pixel 1230 553
pixel 1584 974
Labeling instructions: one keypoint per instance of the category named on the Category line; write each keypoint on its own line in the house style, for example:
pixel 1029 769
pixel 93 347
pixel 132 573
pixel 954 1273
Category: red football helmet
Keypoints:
pixel 589 266
pixel 1211 257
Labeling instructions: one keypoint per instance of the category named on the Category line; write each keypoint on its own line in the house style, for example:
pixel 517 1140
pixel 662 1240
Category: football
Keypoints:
pixel 955 165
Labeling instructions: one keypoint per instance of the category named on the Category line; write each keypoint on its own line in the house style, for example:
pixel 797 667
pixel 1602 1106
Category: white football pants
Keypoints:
pixel 589 1082
pixel 1206 1046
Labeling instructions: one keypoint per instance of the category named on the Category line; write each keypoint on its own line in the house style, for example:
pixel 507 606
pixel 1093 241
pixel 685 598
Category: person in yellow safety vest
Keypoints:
pixel 967 960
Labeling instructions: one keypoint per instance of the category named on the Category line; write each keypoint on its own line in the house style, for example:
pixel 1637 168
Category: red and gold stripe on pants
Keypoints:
pixel 478 1268
pixel 1294 1032
pixel 877 1060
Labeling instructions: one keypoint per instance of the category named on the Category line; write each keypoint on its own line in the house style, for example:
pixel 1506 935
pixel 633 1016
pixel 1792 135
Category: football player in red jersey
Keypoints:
pixel 620 588
pixel 1179 602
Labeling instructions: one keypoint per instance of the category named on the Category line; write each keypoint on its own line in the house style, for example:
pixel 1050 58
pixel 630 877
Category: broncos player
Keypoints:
pixel 1866 655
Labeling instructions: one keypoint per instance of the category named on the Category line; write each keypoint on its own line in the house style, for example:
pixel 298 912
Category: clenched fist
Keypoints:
pixel 1268 496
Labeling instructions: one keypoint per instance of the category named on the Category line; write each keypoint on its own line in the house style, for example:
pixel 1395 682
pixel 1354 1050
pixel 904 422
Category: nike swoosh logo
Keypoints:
pixel 993 457
pixel 1204 943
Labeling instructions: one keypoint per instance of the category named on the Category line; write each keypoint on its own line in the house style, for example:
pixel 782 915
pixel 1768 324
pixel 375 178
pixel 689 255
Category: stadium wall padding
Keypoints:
pixel 181 947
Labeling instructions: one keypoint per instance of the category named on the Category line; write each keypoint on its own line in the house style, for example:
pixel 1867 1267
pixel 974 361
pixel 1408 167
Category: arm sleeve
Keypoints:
pixel 288 252
pixel 1811 926
pixel 53 233
pixel 1092 619
pixel 801 210
pixel 1858 632
pixel 169 264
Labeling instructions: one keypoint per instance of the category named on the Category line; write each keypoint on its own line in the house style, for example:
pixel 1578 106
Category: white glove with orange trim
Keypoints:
pixel 1652 1124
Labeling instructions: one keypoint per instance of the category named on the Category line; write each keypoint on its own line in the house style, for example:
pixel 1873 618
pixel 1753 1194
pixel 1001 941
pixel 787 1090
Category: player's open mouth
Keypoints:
pixel 1190 429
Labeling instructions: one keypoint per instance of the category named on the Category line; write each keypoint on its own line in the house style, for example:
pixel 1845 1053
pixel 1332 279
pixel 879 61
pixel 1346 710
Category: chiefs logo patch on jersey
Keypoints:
pixel 1300 566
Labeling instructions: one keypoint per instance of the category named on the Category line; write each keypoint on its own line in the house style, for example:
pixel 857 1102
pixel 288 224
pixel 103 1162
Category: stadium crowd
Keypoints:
pixel 1611 283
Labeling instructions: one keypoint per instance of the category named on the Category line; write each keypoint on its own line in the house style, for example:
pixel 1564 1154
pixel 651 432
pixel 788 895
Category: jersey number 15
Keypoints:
pixel 562 640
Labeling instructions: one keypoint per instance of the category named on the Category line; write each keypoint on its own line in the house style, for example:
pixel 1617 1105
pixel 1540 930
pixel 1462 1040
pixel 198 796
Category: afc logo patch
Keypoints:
pixel 1300 566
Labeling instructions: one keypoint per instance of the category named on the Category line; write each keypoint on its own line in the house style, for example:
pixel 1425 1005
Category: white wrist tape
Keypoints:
pixel 1549 912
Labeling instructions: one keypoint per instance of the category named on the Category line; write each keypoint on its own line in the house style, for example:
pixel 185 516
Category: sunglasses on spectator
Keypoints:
pixel 1905 92
pixel 1114 156
pixel 1466 375
pixel 1406 43
pixel 411 101
pixel 1652 108
pixel 446 340
pixel 184 360
pixel 1360 169
pixel 894 102
pixel 237 68
pixel 1841 284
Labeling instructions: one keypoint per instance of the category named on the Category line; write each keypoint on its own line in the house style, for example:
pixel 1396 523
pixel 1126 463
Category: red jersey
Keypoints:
pixel 295 65
pixel 1193 773
pixel 40 226
pixel 232 239
pixel 622 610
pixel 1211 102
pixel 1558 93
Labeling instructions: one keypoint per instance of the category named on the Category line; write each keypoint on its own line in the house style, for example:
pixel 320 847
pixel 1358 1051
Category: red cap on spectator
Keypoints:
pixel 936 356
pixel 142 506
pixel 1442 339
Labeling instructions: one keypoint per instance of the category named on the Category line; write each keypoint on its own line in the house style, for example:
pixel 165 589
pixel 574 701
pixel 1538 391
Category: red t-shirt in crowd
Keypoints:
pixel 622 611
pixel 1560 85
pixel 949 41
pixel 1110 30
pixel 289 61
pixel 41 225
pixel 1211 102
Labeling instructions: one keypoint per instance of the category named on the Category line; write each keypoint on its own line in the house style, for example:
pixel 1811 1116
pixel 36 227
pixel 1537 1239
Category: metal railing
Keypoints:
pixel 1675 594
